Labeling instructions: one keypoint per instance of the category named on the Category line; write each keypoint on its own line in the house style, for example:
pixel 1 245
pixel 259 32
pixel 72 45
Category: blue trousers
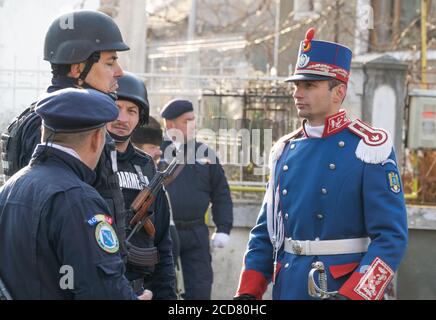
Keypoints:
pixel 196 262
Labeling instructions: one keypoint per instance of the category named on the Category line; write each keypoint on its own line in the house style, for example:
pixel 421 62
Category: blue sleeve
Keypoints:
pixel 259 255
pixel 386 224
pixel 258 260
pixel 222 206
pixel 98 273
pixel 163 278
pixel 385 213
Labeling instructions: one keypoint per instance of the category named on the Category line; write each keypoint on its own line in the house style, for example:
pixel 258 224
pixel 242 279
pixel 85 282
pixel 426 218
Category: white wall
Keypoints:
pixel 23 24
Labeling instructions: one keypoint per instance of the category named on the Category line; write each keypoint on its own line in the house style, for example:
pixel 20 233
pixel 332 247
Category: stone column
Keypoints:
pixel 384 93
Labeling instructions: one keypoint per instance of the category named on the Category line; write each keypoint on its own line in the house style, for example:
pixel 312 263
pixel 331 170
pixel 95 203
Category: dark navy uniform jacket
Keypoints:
pixel 343 185
pixel 47 221
pixel 105 182
pixel 162 279
pixel 199 184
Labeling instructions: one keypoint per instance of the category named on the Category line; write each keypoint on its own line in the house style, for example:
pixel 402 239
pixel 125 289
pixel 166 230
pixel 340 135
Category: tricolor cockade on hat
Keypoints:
pixel 321 60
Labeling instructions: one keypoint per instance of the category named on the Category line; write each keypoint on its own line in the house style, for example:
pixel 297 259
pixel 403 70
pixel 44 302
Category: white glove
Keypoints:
pixel 220 239
pixel 146 295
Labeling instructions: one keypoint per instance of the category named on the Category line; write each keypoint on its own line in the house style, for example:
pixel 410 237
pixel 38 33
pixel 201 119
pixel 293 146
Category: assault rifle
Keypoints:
pixel 147 196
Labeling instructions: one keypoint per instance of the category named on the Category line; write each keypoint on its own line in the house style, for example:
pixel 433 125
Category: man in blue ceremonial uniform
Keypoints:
pixel 200 182
pixel 149 260
pixel 57 237
pixel 334 194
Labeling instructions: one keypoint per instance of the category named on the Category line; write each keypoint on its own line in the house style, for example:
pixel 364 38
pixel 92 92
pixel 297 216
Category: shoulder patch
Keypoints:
pixel 393 180
pixel 106 237
pixel 375 145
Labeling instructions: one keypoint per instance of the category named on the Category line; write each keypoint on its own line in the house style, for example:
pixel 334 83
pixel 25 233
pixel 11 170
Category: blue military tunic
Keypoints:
pixel 330 188
pixel 51 218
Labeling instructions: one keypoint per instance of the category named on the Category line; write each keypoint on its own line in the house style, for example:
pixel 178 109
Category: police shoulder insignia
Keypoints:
pixel 393 181
pixel 106 237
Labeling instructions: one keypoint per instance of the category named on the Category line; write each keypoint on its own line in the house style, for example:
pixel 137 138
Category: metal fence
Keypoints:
pixel 224 103
pixel 256 105
pixel 221 103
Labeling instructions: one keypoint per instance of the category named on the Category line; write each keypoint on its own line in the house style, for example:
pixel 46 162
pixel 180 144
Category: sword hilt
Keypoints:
pixel 320 291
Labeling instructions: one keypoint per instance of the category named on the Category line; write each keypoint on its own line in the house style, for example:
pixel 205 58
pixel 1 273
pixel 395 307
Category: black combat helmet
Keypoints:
pixel 80 36
pixel 74 37
pixel 132 88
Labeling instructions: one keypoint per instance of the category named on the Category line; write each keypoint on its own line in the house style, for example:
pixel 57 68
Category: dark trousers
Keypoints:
pixel 196 262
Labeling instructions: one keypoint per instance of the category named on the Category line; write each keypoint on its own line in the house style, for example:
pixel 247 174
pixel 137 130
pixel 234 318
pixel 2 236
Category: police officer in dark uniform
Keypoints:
pixel 56 232
pixel 81 47
pixel 150 261
pixel 149 138
pixel 202 181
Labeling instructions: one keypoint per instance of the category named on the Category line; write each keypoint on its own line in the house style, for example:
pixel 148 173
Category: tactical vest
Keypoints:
pixel 107 185
pixel 142 252
pixel 14 155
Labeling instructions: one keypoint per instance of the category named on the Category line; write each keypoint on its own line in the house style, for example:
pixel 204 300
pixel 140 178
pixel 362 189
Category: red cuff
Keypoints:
pixel 252 282
pixel 370 285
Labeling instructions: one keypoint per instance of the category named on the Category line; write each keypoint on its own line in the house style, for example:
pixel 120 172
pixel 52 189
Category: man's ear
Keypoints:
pixel 339 93
pixel 76 69
pixel 169 124
pixel 96 139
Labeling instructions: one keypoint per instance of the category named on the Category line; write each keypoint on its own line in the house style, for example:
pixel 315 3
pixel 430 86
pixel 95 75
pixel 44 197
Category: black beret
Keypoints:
pixel 150 133
pixel 74 110
pixel 176 108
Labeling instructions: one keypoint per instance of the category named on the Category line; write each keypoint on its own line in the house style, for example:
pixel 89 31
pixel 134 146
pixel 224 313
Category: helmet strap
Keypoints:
pixel 118 138
pixel 88 65
pixel 94 58
pixel 112 94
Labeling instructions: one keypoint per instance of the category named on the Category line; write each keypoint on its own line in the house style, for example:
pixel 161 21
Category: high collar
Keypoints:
pixel 70 151
pixel 61 82
pixel 80 169
pixel 332 124
pixel 126 155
